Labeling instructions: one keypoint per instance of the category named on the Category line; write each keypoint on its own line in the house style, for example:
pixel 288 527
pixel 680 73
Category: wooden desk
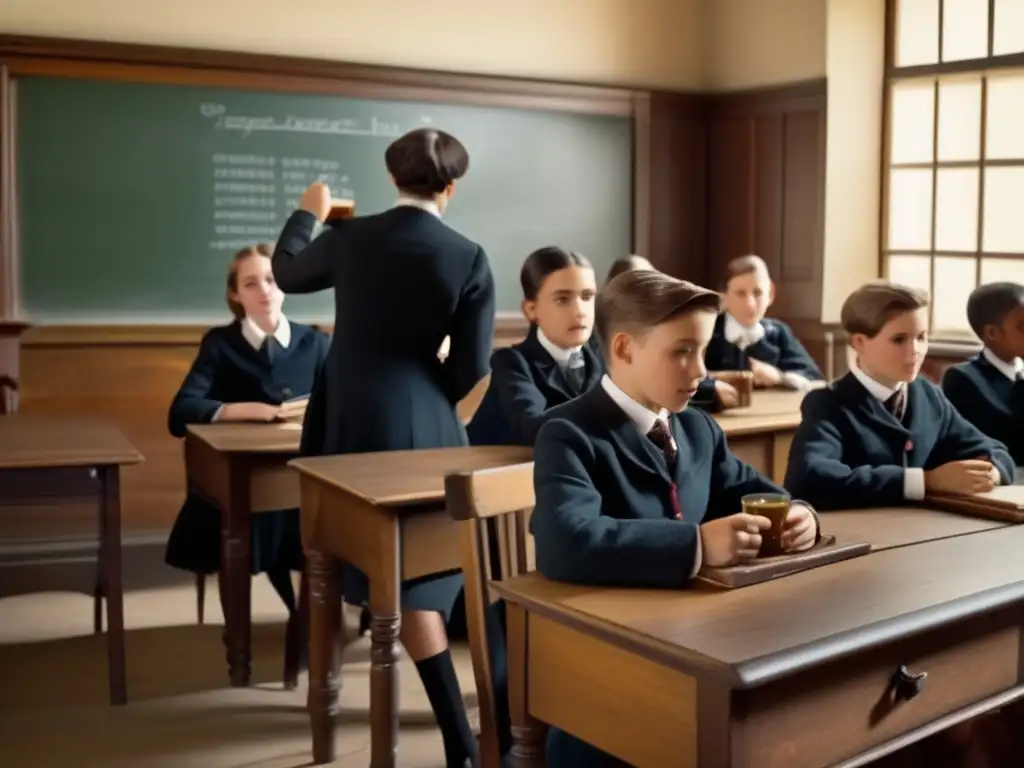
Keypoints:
pixel 762 433
pixel 891 527
pixel 792 673
pixel 63 461
pixel 383 513
pixel 242 470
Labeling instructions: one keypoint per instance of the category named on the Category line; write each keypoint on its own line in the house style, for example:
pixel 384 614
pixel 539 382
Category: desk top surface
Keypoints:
pixel 769 410
pixel 756 634
pixel 248 437
pixel 38 442
pixel 399 478
pixel 890 527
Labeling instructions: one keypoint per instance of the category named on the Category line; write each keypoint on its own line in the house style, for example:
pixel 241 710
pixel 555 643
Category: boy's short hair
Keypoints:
pixel 989 304
pixel 638 300
pixel 870 307
pixel 626 263
pixel 745 265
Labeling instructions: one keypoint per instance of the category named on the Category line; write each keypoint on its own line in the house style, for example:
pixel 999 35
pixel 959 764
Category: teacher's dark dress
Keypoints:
pixel 228 369
pixel 402 280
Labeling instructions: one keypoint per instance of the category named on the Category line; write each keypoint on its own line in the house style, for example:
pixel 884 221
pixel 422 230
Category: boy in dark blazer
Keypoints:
pixel 881 435
pixel 745 339
pixel 632 487
pixel 988 389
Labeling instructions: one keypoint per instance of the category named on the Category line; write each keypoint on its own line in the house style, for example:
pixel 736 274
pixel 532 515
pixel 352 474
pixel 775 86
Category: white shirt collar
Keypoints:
pixel 741 335
pixel 256 335
pixel 878 391
pixel 415 202
pixel 1009 369
pixel 644 418
pixel 560 355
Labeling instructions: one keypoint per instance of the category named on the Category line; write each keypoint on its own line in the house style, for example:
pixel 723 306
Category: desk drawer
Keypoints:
pixel 839 710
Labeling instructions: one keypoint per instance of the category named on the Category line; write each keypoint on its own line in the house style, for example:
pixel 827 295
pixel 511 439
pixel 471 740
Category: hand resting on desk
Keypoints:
pixel 965 477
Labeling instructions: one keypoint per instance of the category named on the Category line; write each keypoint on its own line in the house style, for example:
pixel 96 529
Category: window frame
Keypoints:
pixel 937 72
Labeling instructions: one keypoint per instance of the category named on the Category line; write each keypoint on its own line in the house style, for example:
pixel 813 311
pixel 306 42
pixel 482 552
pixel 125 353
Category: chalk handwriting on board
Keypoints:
pixel 248 125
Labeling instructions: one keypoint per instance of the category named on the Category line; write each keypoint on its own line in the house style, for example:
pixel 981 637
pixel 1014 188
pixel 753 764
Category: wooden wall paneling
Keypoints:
pixel 730 197
pixel 677 170
pixel 766 169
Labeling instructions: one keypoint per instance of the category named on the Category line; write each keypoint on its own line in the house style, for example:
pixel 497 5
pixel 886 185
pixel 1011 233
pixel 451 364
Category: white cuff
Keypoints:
pixel 796 381
pixel 913 484
pixel 216 415
pixel 997 476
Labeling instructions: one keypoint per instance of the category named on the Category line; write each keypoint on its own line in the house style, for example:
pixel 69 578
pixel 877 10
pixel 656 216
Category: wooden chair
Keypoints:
pixel 8 395
pixel 493 508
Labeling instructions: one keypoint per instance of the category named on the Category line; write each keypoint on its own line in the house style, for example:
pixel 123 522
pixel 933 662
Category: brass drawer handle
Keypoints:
pixel 907 685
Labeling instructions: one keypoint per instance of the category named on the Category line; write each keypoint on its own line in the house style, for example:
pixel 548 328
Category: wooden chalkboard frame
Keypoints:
pixel 651 112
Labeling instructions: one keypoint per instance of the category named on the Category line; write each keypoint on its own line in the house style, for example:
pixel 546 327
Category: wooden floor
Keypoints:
pixel 181 713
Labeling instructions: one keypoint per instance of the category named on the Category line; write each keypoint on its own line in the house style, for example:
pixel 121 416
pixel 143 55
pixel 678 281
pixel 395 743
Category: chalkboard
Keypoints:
pixel 133 197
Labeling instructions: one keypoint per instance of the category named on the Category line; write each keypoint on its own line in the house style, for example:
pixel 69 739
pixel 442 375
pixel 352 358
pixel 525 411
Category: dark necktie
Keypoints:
pixel 269 349
pixel 897 404
pixel 660 436
pixel 576 372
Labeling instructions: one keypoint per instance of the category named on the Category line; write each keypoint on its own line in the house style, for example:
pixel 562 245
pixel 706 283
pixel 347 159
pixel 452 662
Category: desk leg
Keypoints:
pixel 110 562
pixel 529 735
pixel 235 578
pixel 325 636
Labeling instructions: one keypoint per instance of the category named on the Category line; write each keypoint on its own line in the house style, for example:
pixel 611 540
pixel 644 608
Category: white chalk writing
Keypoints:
pixel 345 126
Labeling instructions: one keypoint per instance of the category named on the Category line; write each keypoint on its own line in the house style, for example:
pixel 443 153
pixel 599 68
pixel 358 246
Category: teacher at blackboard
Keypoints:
pixel 402 280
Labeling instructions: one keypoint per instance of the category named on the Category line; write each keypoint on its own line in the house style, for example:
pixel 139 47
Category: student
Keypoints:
pixel 745 339
pixel 988 390
pixel 243 372
pixel 882 435
pixel 625 264
pixel 632 487
pixel 403 280
pixel 554 363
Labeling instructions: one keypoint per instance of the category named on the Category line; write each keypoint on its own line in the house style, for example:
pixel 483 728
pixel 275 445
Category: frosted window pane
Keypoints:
pixel 910 210
pixel 964 29
pixel 956 209
pixel 954 281
pixel 1004 225
pixel 917 32
pixel 1002 270
pixel 913 122
pixel 1004 129
pixel 915 271
pixel 960 119
pixel 1009 27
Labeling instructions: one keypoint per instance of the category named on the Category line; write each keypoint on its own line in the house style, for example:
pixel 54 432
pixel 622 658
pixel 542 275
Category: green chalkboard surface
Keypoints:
pixel 133 197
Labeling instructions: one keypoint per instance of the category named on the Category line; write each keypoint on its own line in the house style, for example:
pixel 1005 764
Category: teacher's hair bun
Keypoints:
pixel 425 161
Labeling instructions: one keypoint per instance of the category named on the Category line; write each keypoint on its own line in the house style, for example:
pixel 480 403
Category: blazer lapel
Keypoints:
pixel 545 366
pixel 595 366
pixel 869 409
pixel 635 448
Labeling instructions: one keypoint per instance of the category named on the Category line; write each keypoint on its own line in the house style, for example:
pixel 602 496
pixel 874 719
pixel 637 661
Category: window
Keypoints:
pixel 954 184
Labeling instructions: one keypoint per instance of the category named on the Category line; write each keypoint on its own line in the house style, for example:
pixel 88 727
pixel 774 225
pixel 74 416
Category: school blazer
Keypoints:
pixel 526 383
pixel 228 370
pixel 606 500
pixel 989 400
pixel 850 452
pixel 779 347
pixel 402 281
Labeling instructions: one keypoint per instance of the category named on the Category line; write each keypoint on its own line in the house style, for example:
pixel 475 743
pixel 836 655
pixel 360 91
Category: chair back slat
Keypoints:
pixel 8 396
pixel 493 508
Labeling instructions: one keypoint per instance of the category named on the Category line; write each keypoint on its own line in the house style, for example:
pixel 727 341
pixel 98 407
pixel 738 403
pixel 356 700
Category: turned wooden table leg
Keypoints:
pixel 529 736
pixel 235 578
pixel 325 636
pixel 110 562
pixel 384 702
